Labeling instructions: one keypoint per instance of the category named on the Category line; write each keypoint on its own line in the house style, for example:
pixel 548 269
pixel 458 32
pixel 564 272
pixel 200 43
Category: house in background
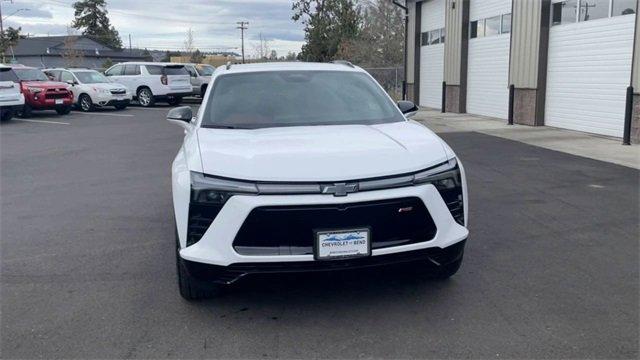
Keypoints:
pixel 69 51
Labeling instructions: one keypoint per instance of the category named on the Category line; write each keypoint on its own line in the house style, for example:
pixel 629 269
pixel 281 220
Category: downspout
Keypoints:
pixel 406 39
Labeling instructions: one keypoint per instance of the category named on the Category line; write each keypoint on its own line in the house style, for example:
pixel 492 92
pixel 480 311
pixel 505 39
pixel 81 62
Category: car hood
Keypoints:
pixel 46 84
pixel 319 153
pixel 107 86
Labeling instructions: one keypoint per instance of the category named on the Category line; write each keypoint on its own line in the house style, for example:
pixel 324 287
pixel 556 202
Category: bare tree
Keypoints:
pixel 72 56
pixel 262 48
pixel 189 48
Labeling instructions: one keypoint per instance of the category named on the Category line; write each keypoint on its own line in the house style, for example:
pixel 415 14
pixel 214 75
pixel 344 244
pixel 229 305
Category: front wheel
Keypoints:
pixel 86 104
pixel 174 101
pixel 7 115
pixel 145 97
pixel 26 111
pixel 190 290
pixel 64 110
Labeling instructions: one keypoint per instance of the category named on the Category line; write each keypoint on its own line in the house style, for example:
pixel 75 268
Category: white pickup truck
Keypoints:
pixel 11 98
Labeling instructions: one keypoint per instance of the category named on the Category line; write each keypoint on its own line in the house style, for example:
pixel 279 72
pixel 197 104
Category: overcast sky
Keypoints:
pixel 162 24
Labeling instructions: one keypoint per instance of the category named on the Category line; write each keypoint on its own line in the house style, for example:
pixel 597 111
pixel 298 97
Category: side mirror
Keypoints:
pixel 408 108
pixel 70 82
pixel 181 115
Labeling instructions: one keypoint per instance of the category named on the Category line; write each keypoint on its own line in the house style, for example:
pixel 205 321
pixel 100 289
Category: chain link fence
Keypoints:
pixel 391 79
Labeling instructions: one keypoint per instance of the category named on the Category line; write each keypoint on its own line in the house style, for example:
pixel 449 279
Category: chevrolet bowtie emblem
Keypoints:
pixel 339 189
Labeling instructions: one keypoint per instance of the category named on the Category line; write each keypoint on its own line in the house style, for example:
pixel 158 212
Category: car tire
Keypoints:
pixel 64 110
pixel 174 101
pixel 6 115
pixel 26 111
pixel 190 289
pixel 85 103
pixel 145 97
pixel 120 107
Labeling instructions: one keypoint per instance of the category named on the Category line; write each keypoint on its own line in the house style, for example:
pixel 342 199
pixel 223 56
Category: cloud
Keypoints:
pixel 34 10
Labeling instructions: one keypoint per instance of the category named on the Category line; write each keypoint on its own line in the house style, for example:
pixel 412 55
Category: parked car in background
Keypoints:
pixel 40 93
pixel 92 89
pixel 11 99
pixel 200 77
pixel 293 167
pixel 151 82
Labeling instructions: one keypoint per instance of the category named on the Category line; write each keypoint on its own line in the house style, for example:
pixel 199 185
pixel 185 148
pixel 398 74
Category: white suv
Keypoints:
pixel 200 77
pixel 151 82
pixel 91 88
pixel 11 99
pixel 291 167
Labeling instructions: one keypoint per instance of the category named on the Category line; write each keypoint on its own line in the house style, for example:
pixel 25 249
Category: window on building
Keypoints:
pixel 131 69
pixel 442 36
pixel 563 12
pixel 624 7
pixel 476 29
pixel 114 71
pixel 424 39
pixel 506 24
pixel 434 37
pixel 492 26
pixel 593 9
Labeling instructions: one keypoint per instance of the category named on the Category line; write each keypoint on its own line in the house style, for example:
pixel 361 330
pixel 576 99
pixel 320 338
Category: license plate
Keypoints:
pixel 337 244
pixel 59 101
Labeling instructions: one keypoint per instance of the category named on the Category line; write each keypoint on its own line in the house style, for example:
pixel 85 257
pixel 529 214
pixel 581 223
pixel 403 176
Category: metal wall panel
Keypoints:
pixel 432 15
pixel 525 43
pixel 480 9
pixel 431 56
pixel 635 80
pixel 588 73
pixel 453 41
pixel 410 41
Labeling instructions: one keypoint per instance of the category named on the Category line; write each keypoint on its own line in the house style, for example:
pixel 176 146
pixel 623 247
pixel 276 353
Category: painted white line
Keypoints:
pixel 42 121
pixel 156 109
pixel 103 114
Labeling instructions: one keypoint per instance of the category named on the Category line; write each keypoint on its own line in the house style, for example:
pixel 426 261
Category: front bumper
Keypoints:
pixel 216 245
pixel 206 273
pixel 111 100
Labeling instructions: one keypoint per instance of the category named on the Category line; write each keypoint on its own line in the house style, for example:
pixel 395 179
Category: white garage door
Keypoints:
pixel 488 67
pixel 432 53
pixel 589 69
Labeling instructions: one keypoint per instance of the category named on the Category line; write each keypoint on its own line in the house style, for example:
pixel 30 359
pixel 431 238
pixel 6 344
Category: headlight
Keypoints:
pixel 208 195
pixel 448 181
pixel 34 90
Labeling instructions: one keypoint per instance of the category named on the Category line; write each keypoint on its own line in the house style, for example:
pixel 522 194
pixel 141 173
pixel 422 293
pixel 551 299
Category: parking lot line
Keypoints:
pixel 103 114
pixel 43 121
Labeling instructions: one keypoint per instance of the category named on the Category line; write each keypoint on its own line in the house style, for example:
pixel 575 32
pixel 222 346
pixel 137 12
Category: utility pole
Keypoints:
pixel 2 29
pixel 129 43
pixel 242 25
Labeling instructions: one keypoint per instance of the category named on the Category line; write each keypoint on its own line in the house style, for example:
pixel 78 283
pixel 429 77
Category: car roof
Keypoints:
pixel 147 63
pixel 289 66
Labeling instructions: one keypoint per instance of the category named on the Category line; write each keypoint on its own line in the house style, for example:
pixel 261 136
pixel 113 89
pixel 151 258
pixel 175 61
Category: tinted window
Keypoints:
pixel 30 74
pixel 175 70
pixel 434 37
pixel 7 74
pixel 154 69
pixel 296 98
pixel 593 9
pixel 492 26
pixel 624 7
pixel 192 71
pixel 131 69
pixel 53 74
pixel 116 70
pixel 476 29
pixel 424 38
pixel 506 24
pixel 563 12
pixel 66 76
pixel 205 70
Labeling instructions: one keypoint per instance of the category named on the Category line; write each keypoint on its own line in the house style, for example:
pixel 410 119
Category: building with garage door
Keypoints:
pixel 563 63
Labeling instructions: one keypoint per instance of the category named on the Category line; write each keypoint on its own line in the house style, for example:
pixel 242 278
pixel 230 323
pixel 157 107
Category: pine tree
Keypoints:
pixel 92 17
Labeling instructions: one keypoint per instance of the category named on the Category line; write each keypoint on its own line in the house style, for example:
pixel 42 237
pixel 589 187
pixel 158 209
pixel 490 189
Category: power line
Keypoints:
pixel 242 26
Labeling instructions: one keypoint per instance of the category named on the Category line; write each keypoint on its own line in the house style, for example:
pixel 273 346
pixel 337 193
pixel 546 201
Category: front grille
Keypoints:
pixel 118 91
pixel 290 230
pixel 56 94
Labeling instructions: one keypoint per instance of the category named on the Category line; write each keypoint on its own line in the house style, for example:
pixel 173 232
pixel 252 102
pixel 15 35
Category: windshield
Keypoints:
pixel 297 98
pixel 205 70
pixel 90 77
pixel 30 75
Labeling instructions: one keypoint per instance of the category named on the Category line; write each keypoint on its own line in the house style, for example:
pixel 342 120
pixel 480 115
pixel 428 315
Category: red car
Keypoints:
pixel 42 94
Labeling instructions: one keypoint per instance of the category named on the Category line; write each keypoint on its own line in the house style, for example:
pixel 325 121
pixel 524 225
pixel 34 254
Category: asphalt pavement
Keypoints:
pixel 88 271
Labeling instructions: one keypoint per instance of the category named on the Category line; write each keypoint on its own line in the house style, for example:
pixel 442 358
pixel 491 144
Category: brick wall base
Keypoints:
pixel 524 107
pixel 453 100
pixel 635 120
